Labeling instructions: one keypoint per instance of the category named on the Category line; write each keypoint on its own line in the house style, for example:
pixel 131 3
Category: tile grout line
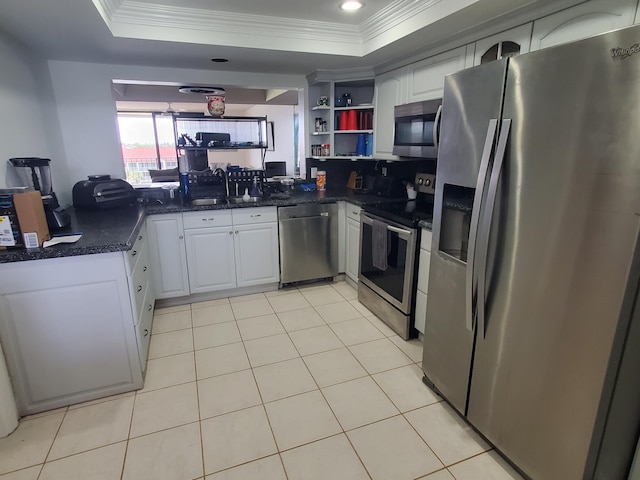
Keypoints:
pixel 195 371
pixel 253 375
pixel 54 441
pixel 126 448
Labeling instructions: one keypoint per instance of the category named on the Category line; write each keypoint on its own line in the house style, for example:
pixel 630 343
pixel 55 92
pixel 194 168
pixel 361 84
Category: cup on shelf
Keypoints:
pixel 344 120
pixel 369 145
pixel 352 122
pixel 361 145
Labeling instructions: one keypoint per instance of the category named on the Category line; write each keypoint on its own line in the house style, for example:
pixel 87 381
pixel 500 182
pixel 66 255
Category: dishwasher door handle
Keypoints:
pixel 299 217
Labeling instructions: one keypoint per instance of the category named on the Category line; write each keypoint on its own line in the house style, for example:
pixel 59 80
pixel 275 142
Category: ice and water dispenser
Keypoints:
pixel 457 205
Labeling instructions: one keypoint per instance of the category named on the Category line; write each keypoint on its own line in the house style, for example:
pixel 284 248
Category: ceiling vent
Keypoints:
pixel 203 90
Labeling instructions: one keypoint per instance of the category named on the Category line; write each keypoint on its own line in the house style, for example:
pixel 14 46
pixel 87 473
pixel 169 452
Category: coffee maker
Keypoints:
pixel 35 173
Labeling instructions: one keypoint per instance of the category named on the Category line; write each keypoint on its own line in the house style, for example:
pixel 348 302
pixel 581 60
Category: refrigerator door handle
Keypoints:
pixel 436 128
pixel 475 221
pixel 483 247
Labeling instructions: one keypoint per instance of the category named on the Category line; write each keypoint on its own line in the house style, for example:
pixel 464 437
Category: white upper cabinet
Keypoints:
pixel 388 93
pixel 582 21
pixel 504 44
pixel 425 79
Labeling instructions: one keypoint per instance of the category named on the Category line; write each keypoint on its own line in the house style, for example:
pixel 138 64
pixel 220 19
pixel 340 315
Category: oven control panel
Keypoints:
pixel 425 183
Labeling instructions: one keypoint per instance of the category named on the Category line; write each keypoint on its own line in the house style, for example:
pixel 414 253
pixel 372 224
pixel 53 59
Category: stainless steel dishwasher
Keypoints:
pixel 308 242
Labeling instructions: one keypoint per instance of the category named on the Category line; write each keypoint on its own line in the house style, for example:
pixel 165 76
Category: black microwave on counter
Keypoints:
pixel 417 129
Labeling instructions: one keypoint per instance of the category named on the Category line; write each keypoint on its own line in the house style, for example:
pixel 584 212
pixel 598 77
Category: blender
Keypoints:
pixel 35 173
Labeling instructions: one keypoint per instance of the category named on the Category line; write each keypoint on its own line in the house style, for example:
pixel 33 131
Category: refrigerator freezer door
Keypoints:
pixel 563 236
pixel 466 116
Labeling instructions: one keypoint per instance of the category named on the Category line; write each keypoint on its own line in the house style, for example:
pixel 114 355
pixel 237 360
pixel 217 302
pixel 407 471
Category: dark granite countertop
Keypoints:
pixel 295 198
pixel 103 231
pixel 115 230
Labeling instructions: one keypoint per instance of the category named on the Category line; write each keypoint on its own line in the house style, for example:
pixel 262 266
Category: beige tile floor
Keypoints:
pixel 298 384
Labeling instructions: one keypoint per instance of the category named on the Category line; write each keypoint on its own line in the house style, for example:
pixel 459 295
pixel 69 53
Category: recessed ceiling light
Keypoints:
pixel 351 5
pixel 220 60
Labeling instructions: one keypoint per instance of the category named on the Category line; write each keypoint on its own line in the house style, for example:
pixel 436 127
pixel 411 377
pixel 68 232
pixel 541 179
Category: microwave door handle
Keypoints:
pixel 436 128
pixel 496 172
pixel 475 221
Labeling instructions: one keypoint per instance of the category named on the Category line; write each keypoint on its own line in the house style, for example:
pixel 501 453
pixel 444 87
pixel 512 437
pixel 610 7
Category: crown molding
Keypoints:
pixel 393 15
pixel 134 19
pixel 107 8
pixel 342 75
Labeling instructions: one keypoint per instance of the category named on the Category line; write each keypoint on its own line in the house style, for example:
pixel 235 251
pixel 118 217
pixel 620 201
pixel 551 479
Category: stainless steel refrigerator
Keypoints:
pixel 532 329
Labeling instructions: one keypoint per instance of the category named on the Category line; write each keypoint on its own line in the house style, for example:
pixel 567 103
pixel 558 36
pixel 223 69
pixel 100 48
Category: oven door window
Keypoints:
pixel 392 280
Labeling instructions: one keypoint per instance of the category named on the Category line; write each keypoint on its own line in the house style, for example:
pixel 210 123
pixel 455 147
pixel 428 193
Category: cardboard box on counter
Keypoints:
pixel 31 217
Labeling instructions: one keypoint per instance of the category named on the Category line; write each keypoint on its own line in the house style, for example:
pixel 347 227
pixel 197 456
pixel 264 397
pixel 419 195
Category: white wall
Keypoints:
pixel 282 118
pixel 30 125
pixel 87 112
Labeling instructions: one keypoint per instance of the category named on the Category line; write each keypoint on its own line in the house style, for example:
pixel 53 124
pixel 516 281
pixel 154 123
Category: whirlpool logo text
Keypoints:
pixel 621 53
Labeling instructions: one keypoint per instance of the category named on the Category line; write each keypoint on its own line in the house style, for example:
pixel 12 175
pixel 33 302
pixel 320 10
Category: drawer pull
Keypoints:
pixel 134 253
pixel 146 332
pixel 144 269
pixel 208 219
pixel 139 289
pixel 149 307
pixel 256 215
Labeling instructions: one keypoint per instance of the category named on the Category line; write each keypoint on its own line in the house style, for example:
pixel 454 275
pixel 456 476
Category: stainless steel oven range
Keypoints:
pixel 388 289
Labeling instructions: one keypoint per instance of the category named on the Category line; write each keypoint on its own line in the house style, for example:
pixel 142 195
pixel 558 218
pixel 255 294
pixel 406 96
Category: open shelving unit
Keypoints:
pixel 328 139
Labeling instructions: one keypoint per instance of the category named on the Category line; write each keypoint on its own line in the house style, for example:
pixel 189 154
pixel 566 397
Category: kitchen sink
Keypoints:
pixel 207 201
pixel 236 200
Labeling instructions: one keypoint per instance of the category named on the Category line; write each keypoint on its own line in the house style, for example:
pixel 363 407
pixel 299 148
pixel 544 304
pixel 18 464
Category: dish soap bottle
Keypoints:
pixel 245 197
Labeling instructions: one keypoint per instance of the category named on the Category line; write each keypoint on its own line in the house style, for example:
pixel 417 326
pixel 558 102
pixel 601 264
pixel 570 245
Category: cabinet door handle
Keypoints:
pixel 236 232
pixel 146 332
pixel 150 307
pixel 231 232
pixel 139 237
pixel 181 237
pixel 134 253
pixel 139 289
pixel 144 269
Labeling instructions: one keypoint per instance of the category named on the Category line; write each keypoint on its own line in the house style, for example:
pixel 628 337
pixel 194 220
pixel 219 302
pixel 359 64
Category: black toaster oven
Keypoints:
pixel 102 191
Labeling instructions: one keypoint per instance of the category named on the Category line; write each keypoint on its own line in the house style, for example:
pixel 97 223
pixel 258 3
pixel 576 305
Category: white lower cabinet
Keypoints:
pixel 257 254
pixel 423 281
pixel 228 249
pixel 210 259
pixel 168 255
pixel 352 253
pixel 68 330
pixel 139 269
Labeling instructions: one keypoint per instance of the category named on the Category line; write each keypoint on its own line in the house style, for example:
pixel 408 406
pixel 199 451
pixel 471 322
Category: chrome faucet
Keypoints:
pixel 219 171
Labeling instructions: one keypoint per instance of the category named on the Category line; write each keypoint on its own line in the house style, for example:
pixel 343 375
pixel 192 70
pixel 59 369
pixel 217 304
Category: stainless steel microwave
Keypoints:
pixel 417 129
